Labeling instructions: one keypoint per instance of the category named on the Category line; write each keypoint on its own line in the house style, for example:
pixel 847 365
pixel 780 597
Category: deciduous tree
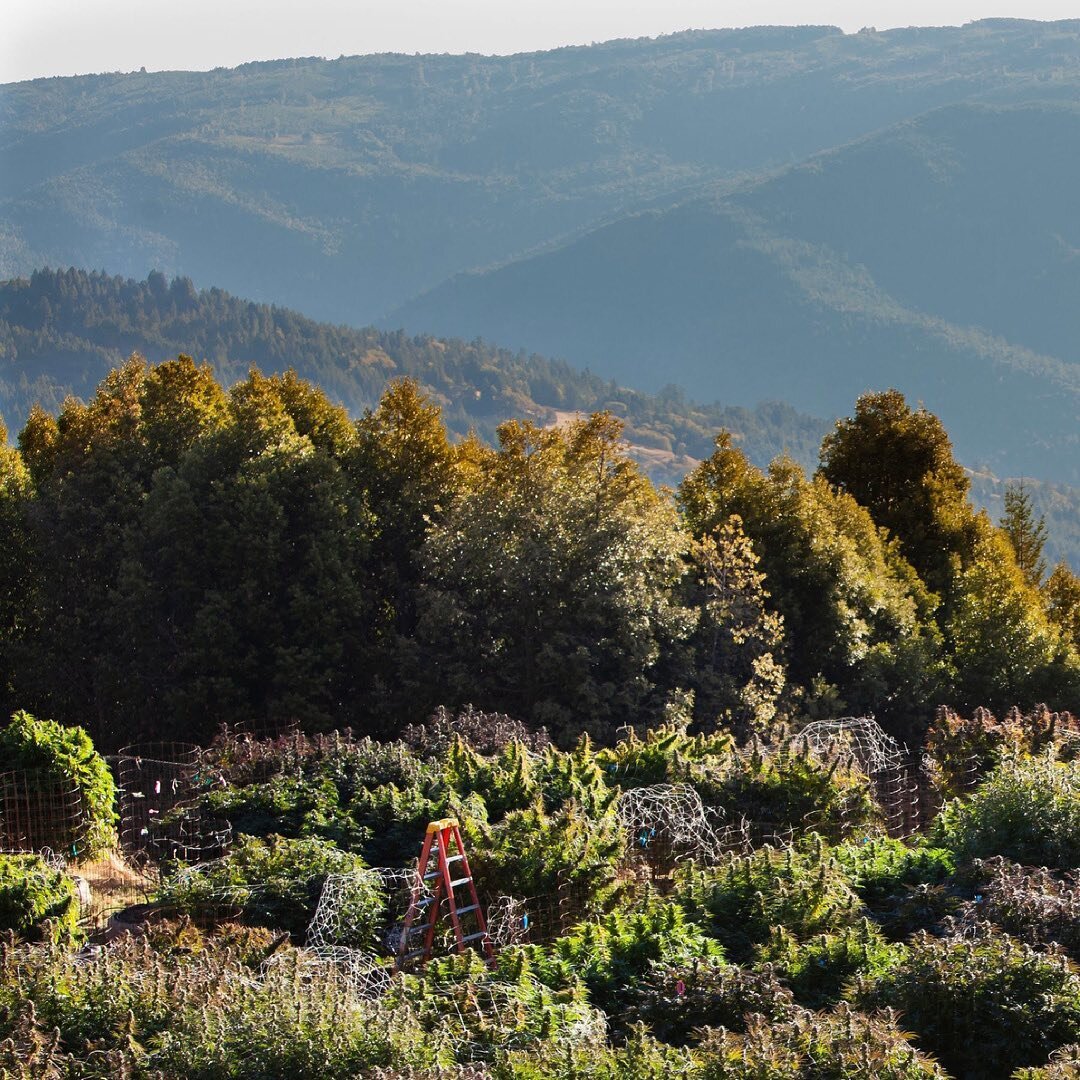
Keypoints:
pixel 552 580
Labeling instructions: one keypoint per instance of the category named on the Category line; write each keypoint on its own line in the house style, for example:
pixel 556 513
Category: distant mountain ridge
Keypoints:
pixel 776 213
pixel 62 331
pixel 939 256
pixel 344 187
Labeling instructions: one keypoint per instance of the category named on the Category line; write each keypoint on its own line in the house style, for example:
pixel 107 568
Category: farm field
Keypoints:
pixel 821 903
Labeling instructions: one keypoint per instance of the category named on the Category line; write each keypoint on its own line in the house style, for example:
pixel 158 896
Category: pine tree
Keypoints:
pixel 1026 532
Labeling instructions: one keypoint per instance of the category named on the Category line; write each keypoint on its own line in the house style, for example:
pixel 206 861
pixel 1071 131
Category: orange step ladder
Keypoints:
pixel 442 855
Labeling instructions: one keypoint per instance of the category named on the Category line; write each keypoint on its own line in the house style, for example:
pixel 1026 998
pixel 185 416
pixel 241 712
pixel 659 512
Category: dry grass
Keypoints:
pixel 113 885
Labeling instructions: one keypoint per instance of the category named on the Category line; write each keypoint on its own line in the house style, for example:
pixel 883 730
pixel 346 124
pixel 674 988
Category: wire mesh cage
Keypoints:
pixel 39 810
pixel 159 816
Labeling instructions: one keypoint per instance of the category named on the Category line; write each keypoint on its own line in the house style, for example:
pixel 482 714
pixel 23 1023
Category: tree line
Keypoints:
pixel 61 331
pixel 175 555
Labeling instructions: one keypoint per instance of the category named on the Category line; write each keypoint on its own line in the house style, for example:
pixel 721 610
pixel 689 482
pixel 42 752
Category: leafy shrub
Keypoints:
pixel 291 807
pixel 545 858
pixel 842 1045
pixel 819 969
pixel 474 1010
pixel 131 1011
pixel 802 889
pixel 506 781
pixel 251 945
pixel 787 788
pixel 1027 809
pixel 638 1058
pixel 1064 1064
pixel 963 749
pixel 576 776
pixel 662 757
pixel 65 755
pixel 37 902
pixel 350 764
pixel 612 955
pixel 880 867
pixel 983 1006
pixel 396 818
pixel 486 733
pixel 675 1003
pixel 905 886
pixel 1030 903
pixel 277 883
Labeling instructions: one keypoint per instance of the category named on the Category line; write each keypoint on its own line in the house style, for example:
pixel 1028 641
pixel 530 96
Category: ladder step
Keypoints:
pixel 413 955
pixel 466 910
pixel 454 858
pixel 474 937
pixel 421 927
pixel 460 881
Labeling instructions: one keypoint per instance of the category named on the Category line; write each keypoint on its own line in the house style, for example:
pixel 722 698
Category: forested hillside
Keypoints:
pixel 938 257
pixel 343 187
pixel 177 555
pixel 62 331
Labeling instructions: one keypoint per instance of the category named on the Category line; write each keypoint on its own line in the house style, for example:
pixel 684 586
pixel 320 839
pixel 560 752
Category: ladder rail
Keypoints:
pixel 415 906
pixel 449 883
pixel 481 921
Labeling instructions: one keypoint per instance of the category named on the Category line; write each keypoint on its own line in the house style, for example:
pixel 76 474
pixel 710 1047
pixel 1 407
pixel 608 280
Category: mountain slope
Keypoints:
pixel 345 187
pixel 938 257
pixel 61 332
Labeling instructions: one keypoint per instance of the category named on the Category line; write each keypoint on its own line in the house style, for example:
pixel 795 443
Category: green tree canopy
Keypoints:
pixel 17 583
pixel 201 556
pixel 552 580
pixel 736 673
pixel 1062 595
pixel 897 462
pixel 1005 649
pixel 855 613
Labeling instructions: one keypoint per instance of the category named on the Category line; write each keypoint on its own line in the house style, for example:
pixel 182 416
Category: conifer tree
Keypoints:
pixel 1026 532
pixel 1005 649
pixel 898 463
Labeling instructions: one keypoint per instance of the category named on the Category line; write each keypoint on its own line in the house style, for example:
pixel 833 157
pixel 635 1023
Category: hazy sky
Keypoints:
pixel 66 37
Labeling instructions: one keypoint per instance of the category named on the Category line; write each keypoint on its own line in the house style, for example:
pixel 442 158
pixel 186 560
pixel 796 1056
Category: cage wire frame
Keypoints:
pixel 666 824
pixel 159 784
pixel 862 736
pixel 40 810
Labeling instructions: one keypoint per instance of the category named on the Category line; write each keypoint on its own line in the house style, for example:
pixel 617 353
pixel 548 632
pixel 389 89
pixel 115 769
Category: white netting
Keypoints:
pixel 332 940
pixel 507 921
pixel 367 976
pixel 673 812
pixel 860 736
pixel 343 898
